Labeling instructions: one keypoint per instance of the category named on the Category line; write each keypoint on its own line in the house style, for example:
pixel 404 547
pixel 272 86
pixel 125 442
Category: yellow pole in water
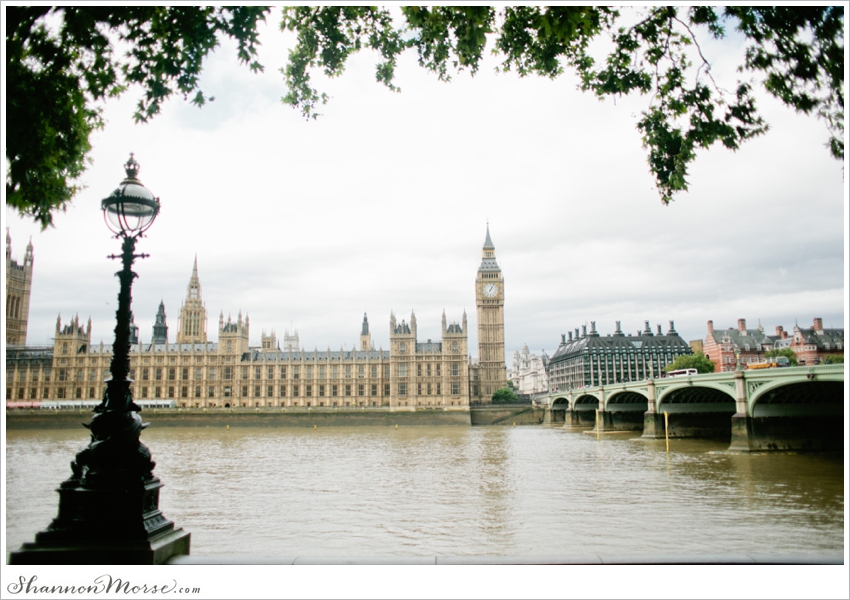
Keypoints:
pixel 396 426
pixel 597 423
pixel 314 426
pixel 228 427
pixel 514 423
pixel 666 436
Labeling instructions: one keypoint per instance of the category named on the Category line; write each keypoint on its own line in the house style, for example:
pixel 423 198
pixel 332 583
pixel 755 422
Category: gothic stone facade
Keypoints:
pixel 18 284
pixel 490 372
pixel 196 372
pixel 528 372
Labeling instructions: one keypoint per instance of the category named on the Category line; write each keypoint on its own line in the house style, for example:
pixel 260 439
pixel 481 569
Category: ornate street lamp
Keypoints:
pixel 109 507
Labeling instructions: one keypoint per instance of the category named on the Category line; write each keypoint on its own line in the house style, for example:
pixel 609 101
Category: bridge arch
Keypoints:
pixel 585 401
pixel 690 393
pixel 561 403
pixel 797 396
pixel 627 400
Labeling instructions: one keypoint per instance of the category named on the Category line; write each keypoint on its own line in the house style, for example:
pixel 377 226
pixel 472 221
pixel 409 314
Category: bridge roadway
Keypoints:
pixel 796 408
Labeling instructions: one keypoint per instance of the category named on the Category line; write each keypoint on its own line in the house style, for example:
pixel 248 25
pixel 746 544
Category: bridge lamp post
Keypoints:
pixel 109 507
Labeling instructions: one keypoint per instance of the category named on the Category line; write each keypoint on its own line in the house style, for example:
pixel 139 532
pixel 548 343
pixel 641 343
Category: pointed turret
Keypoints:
pixel 192 322
pixel 18 287
pixel 160 327
pixel 365 336
pixel 488 243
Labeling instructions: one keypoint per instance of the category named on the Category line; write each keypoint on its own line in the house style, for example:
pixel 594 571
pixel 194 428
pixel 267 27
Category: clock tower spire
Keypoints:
pixel 490 302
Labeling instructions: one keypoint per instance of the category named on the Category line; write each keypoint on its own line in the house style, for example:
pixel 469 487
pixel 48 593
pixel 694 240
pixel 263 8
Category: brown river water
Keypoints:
pixel 455 491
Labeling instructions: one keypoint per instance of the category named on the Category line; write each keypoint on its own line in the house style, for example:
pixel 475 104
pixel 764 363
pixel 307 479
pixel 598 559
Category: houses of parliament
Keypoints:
pixel 196 372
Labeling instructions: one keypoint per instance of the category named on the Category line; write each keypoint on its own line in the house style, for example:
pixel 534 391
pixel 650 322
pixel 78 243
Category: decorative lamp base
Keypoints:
pixel 116 526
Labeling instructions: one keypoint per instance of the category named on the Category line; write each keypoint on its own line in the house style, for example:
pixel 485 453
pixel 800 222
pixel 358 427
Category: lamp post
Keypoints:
pixel 109 507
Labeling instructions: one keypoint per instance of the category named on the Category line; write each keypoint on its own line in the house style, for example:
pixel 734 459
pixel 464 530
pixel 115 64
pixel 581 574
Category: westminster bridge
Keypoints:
pixel 795 408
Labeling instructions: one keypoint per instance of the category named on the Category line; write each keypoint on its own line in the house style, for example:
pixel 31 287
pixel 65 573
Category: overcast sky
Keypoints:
pixel 381 205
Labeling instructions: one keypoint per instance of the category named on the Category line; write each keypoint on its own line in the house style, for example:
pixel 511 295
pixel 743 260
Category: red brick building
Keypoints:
pixel 812 345
pixel 723 346
pixel 726 346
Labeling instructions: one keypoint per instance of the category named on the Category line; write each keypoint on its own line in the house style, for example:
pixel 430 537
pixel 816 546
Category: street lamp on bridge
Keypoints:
pixel 109 507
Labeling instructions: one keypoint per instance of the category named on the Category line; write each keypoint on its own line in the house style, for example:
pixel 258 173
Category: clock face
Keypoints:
pixel 490 290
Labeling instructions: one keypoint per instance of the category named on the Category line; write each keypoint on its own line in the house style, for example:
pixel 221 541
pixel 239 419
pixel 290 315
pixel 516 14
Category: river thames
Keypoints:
pixel 455 491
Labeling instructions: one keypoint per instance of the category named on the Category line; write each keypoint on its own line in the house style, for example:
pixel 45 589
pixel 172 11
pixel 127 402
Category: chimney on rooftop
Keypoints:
pixel 818 325
pixel 779 331
pixel 563 338
pixel 711 327
pixel 742 325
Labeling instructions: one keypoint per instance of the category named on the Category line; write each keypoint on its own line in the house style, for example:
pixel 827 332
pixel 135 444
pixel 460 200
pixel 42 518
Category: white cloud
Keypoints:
pixel 381 205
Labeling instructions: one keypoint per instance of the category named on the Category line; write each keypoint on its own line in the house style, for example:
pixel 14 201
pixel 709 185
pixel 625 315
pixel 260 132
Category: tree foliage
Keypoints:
pixel 696 361
pixel 505 395
pixel 61 63
pixel 59 73
pixel 798 51
pixel 786 352
pixel 833 359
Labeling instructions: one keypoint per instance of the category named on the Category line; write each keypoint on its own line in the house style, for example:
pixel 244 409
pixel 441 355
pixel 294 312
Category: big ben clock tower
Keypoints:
pixel 490 301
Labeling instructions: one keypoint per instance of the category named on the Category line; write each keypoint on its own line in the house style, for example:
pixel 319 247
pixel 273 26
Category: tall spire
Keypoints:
pixel 488 254
pixel 160 327
pixel 192 321
pixel 488 243
pixel 365 337
pixel 193 291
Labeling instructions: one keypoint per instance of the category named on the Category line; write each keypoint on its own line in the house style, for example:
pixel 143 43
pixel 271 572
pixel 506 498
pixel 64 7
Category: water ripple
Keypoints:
pixel 455 491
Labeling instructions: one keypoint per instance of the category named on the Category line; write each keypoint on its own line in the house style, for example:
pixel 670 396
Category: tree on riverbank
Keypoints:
pixel 61 66
pixel 696 361
pixel 505 395
pixel 833 359
pixel 786 352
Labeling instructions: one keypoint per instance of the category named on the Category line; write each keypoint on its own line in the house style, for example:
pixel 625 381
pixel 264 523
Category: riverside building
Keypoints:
pixel 528 372
pixel 195 371
pixel 739 345
pixel 18 285
pixel 591 360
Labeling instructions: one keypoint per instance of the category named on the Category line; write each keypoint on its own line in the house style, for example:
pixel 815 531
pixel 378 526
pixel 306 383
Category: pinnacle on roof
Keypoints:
pixel 488 243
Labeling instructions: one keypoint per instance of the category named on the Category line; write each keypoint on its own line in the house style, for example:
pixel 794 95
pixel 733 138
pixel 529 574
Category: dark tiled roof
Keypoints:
pixel 752 338
pixel 620 344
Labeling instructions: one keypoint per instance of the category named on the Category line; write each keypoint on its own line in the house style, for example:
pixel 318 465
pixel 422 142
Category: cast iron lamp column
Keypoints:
pixel 109 507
